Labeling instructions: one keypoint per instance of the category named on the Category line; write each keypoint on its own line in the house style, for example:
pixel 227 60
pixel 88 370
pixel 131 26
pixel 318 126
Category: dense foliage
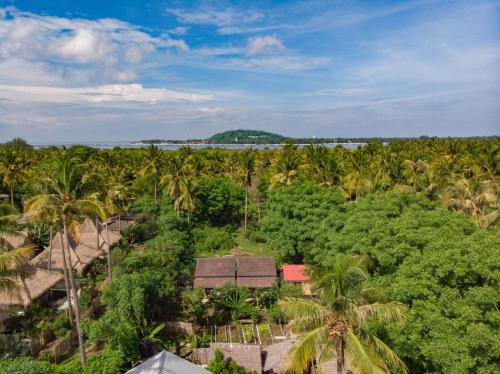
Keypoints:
pixel 424 212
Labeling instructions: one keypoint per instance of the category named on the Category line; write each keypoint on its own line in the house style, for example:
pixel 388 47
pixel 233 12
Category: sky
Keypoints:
pixel 88 70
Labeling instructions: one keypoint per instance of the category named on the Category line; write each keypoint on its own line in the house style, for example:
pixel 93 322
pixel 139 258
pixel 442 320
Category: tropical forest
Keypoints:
pixel 301 259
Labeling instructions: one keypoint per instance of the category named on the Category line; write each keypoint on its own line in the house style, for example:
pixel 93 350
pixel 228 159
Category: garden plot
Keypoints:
pixel 248 333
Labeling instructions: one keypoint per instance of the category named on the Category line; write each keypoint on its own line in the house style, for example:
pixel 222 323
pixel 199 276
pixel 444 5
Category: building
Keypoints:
pixel 166 362
pixel 251 272
pixel 294 274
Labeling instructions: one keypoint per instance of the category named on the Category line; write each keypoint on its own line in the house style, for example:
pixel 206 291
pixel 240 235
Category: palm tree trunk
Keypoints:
pixel 97 233
pixel 11 195
pixel 246 207
pixel 155 188
pixel 50 250
pixel 81 346
pixel 340 357
pixel 108 254
pixel 66 283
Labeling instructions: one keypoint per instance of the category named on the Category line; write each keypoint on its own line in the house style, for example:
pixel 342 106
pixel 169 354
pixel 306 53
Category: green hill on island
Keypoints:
pixel 246 137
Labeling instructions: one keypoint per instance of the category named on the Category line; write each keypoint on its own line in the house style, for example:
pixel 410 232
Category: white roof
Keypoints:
pixel 167 363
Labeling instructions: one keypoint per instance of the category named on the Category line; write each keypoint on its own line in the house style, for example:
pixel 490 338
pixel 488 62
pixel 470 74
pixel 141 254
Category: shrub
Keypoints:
pixel 61 325
pixel 25 365
pixel 212 239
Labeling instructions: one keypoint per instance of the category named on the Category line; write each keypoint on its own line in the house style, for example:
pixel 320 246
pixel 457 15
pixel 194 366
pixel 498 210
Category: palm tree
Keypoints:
pixel 173 180
pixel 247 167
pixel 154 164
pixel 286 165
pixel 65 199
pixel 13 169
pixel 336 322
pixel 11 260
pixel 187 199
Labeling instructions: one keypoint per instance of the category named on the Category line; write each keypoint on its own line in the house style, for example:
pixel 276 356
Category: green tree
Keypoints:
pixel 154 164
pixel 338 323
pixel 246 168
pixel 65 201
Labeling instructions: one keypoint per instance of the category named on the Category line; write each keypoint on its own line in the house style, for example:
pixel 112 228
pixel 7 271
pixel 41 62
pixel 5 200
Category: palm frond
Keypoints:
pixel 362 357
pixel 303 315
pixel 390 357
pixel 385 314
pixel 307 349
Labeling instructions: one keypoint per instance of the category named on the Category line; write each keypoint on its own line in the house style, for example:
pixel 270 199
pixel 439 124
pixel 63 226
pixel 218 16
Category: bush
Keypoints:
pixel 212 239
pixel 25 365
pixel 61 325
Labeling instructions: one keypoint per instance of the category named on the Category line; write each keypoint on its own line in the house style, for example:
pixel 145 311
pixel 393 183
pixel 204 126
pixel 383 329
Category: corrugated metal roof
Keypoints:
pixel 294 273
pixel 167 363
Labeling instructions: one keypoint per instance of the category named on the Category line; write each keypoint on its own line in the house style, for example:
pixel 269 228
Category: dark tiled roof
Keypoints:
pixel 213 282
pixel 255 282
pixel 215 267
pixel 256 267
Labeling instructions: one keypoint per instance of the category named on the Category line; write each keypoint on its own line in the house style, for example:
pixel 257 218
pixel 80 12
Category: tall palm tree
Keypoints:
pixel 65 198
pixel 286 165
pixel 187 199
pixel 336 322
pixel 174 178
pixel 13 169
pixel 247 168
pixel 154 164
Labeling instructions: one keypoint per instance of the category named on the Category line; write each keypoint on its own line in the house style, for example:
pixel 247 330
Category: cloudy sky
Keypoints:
pixel 91 70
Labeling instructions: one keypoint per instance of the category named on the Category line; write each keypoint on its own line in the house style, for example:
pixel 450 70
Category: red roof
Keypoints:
pixel 294 273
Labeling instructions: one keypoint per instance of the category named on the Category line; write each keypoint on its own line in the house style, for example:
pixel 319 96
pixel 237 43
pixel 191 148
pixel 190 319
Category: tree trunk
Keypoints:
pixel 11 195
pixel 66 283
pixel 50 250
pixel 97 233
pixel 340 357
pixel 155 188
pixel 108 254
pixel 246 207
pixel 81 346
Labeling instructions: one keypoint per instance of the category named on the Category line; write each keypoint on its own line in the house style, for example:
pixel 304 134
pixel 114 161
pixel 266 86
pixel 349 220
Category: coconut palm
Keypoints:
pixel 187 199
pixel 173 179
pixel 11 260
pixel 247 167
pixel 65 201
pixel 335 324
pixel 13 169
pixel 286 165
pixel 154 164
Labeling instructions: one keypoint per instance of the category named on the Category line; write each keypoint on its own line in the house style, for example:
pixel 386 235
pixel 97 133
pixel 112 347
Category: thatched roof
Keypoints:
pixel 276 357
pixel 32 287
pixel 83 248
pixel 248 356
pixel 16 240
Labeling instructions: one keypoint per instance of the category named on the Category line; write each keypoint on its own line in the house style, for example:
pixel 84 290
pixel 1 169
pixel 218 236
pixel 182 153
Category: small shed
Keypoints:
pixel 167 363
pixel 215 272
pixel 294 273
pixel 256 272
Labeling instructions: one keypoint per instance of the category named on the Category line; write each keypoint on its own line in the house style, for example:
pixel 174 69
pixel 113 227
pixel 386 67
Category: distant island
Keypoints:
pixel 265 137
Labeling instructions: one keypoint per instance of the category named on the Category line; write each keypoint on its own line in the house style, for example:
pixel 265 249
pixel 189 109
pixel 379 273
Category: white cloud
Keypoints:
pixel 260 44
pixel 346 91
pixel 97 94
pixel 217 17
pixel 68 48
pixel 278 63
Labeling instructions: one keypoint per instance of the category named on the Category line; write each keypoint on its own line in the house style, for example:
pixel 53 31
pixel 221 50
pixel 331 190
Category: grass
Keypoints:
pixel 248 247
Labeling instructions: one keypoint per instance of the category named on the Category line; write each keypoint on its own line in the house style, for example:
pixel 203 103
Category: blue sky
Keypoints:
pixel 126 70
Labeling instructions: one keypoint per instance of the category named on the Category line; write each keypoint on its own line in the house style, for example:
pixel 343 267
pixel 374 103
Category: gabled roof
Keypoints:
pixel 294 273
pixel 215 267
pixel 167 363
pixel 256 267
pixel 16 240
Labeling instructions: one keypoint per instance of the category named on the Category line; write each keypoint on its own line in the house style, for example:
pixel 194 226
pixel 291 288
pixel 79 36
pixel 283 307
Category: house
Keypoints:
pixel 166 362
pixel 122 221
pixel 252 272
pixel 255 272
pixel 83 248
pixel 294 274
pixel 15 240
pixel 215 272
